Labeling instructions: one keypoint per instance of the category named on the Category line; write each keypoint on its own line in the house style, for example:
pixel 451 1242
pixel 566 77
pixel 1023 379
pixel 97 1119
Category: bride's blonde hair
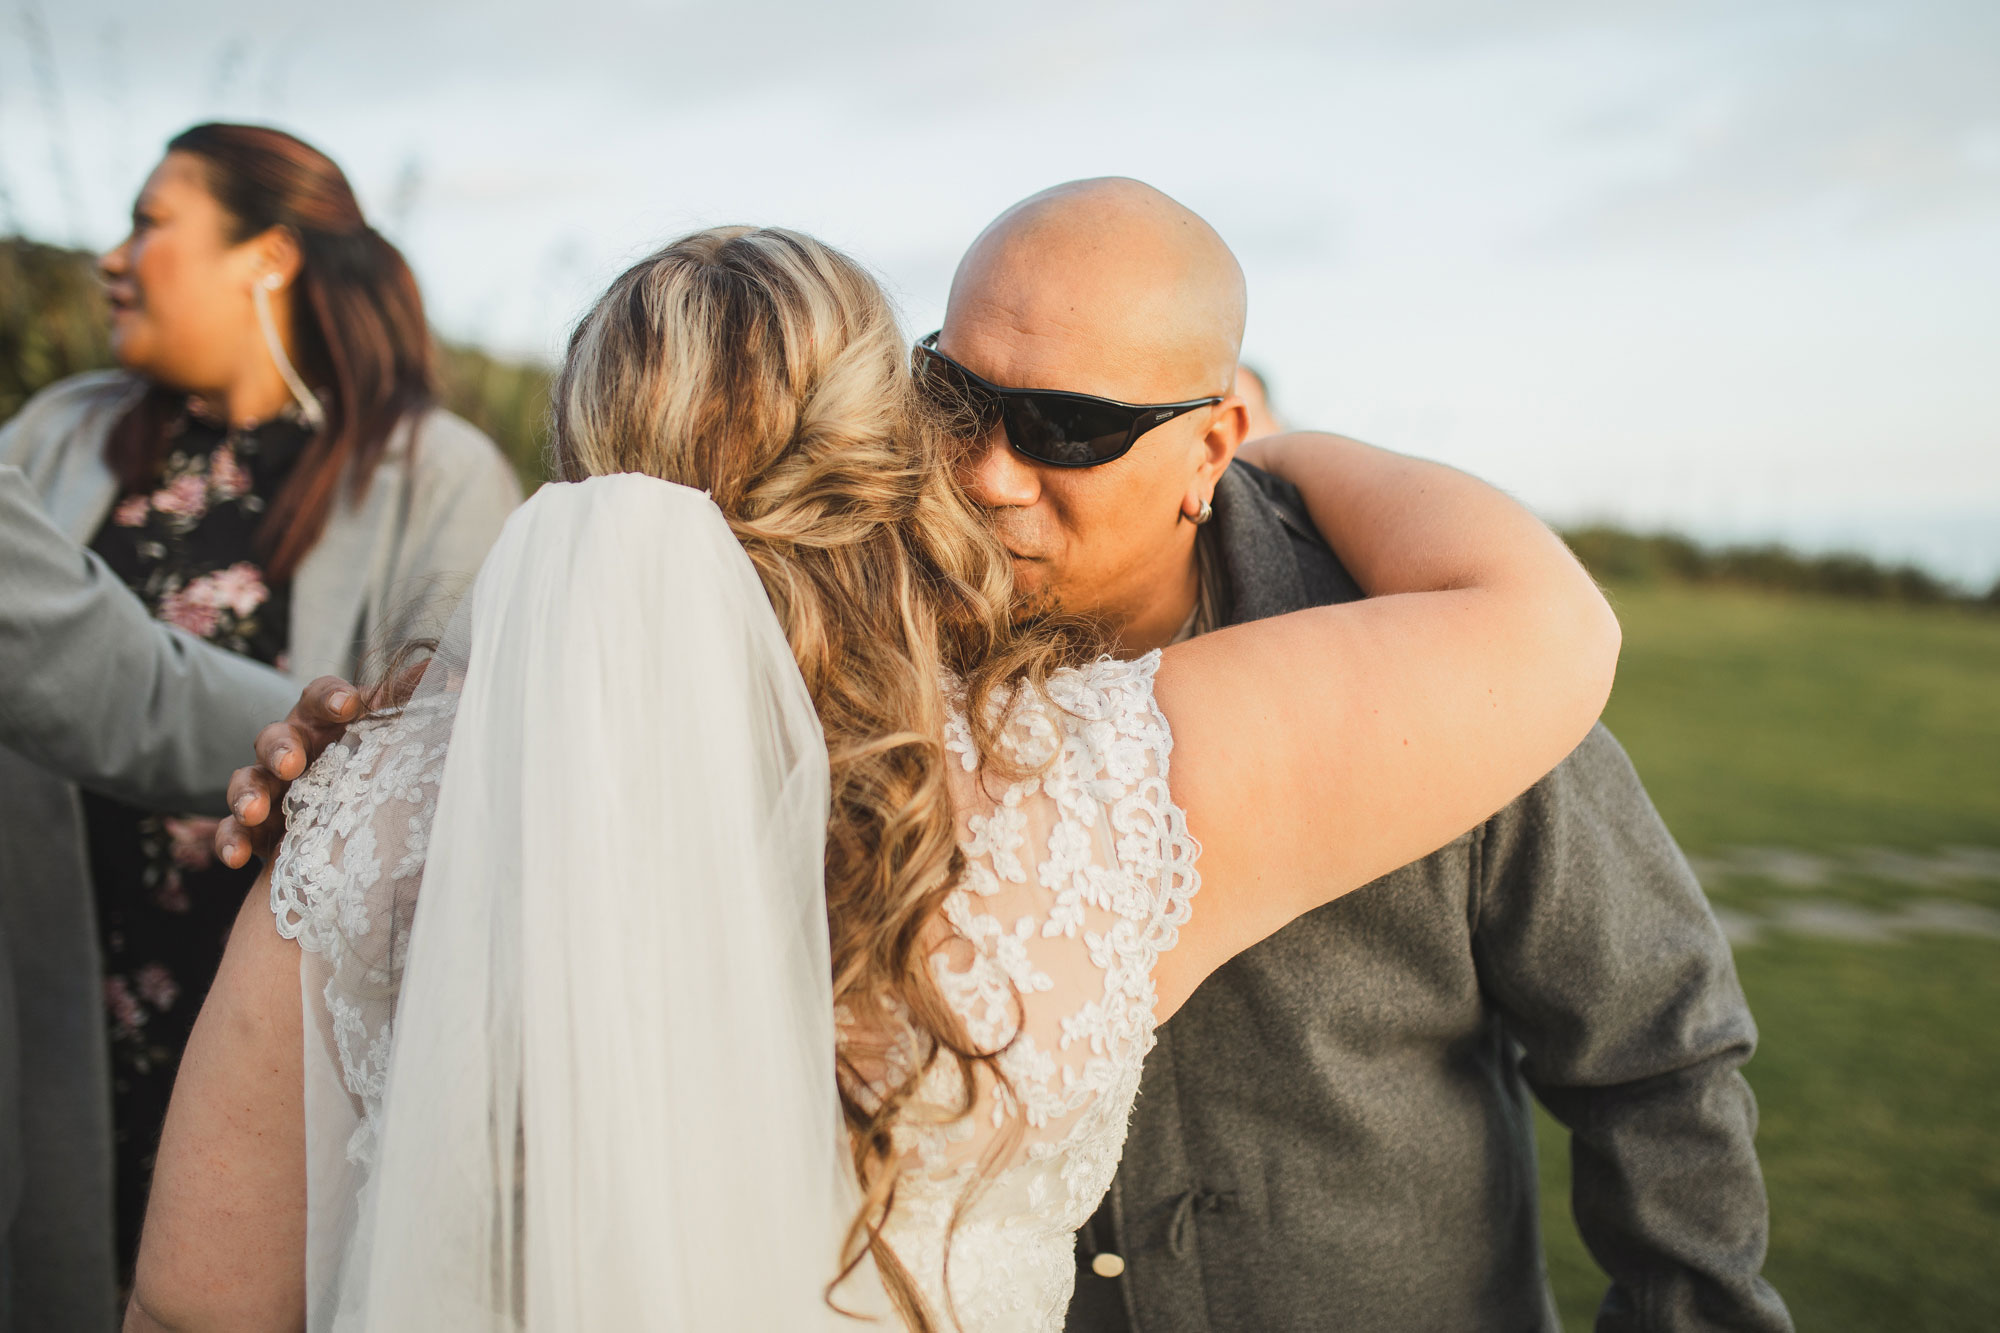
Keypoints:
pixel 768 369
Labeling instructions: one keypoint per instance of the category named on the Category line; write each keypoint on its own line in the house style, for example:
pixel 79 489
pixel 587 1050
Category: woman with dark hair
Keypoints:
pixel 269 471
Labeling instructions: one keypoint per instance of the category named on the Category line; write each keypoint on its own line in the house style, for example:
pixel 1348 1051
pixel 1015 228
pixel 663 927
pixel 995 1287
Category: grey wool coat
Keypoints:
pixel 387 566
pixel 1335 1132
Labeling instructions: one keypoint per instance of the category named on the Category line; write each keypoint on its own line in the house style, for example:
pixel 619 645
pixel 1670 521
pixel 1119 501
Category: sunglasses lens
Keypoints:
pixel 1065 431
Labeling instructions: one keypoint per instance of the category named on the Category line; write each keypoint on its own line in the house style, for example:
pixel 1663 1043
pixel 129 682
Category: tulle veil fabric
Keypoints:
pixel 583 1079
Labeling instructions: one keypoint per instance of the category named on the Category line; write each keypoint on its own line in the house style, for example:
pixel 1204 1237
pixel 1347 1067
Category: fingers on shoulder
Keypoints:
pixel 328 702
pixel 281 751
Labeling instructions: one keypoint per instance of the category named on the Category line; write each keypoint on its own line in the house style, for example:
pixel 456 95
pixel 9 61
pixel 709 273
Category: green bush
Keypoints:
pixel 1617 556
pixel 53 321
pixel 509 400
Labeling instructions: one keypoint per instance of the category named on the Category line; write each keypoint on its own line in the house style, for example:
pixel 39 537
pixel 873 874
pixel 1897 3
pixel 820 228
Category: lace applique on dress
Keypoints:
pixel 344 885
pixel 1077 879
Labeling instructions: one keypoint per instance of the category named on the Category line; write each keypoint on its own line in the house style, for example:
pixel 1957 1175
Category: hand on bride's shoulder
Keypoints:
pixel 285 749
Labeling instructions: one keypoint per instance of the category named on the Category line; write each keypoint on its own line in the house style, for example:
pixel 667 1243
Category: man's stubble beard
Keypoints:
pixel 1035 605
pixel 1016 532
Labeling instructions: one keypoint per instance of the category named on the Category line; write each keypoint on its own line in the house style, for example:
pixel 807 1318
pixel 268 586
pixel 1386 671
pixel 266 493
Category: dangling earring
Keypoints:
pixel 260 291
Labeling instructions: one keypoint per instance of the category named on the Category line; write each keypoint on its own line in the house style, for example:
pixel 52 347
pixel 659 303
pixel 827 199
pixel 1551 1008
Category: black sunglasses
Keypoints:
pixel 1047 425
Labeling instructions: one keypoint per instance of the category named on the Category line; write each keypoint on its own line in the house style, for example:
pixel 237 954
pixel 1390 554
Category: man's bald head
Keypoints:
pixel 1104 287
pixel 1132 284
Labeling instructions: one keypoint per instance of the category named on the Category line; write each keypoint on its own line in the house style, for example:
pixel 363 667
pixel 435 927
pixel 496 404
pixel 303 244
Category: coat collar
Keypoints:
pixel 343 576
pixel 1250 536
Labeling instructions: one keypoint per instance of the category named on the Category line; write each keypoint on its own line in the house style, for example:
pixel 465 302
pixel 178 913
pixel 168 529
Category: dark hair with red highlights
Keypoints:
pixel 358 334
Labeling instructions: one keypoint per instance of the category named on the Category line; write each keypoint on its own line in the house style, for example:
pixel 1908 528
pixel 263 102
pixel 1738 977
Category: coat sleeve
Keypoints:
pixel 1599 949
pixel 100 692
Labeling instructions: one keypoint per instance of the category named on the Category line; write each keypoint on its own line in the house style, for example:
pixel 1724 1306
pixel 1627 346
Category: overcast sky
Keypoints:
pixel 1733 267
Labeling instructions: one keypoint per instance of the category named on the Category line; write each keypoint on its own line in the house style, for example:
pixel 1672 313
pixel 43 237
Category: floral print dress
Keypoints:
pixel 187 547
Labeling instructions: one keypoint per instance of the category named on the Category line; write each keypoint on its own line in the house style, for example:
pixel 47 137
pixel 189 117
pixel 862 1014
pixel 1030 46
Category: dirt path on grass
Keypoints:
pixel 1798 872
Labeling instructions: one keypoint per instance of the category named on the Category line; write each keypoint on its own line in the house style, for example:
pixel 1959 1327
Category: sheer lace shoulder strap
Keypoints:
pixel 1097 749
pixel 344 885
pixel 1079 873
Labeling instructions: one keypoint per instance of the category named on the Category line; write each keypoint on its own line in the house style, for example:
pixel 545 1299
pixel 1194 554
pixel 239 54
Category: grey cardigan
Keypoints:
pixel 1335 1131
pixel 383 569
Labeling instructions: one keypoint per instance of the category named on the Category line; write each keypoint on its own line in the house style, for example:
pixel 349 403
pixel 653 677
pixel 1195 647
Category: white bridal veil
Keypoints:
pixel 583 1080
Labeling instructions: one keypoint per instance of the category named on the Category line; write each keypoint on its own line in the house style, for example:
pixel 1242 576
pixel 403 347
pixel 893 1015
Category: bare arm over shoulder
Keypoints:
pixel 1317 751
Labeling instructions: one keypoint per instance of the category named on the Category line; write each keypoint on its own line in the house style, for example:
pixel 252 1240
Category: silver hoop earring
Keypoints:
pixel 1207 512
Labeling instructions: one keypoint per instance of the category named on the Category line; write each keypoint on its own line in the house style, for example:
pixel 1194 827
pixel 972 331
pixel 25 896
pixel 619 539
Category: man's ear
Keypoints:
pixel 1225 436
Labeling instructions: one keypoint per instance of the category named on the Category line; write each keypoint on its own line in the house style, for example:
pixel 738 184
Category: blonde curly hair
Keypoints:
pixel 769 370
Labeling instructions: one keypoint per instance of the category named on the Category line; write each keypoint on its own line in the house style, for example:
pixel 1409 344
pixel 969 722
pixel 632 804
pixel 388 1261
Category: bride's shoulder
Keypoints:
pixel 1108 689
pixel 1098 704
pixel 357 821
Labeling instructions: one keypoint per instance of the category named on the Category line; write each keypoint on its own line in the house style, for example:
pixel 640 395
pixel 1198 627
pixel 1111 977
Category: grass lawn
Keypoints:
pixel 1877 1080
pixel 1808 724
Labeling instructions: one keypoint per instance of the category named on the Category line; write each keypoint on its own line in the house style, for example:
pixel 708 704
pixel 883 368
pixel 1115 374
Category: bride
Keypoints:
pixel 794 920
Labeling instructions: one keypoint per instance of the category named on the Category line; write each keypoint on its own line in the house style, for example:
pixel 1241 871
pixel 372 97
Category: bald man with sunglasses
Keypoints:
pixel 1335 1132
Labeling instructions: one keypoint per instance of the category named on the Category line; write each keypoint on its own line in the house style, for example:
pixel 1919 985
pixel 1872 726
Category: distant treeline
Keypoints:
pixel 1617 556
pixel 52 324
pixel 52 319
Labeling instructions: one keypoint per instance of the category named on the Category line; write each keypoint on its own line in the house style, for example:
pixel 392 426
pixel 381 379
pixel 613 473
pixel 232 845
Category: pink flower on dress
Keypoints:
pixel 190 611
pixel 239 588
pixel 185 497
pixel 132 510
pixel 192 848
pixel 157 986
pixel 197 607
pixel 226 477
pixel 124 1007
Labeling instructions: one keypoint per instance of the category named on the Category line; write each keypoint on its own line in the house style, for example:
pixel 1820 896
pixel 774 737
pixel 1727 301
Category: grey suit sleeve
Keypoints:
pixel 1597 945
pixel 95 689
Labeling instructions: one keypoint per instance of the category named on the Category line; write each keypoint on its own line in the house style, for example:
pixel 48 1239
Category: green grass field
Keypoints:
pixel 1822 726
pixel 1809 722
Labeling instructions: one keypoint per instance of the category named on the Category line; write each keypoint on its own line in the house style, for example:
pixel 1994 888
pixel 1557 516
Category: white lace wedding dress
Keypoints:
pixel 1078 877
pixel 1077 880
